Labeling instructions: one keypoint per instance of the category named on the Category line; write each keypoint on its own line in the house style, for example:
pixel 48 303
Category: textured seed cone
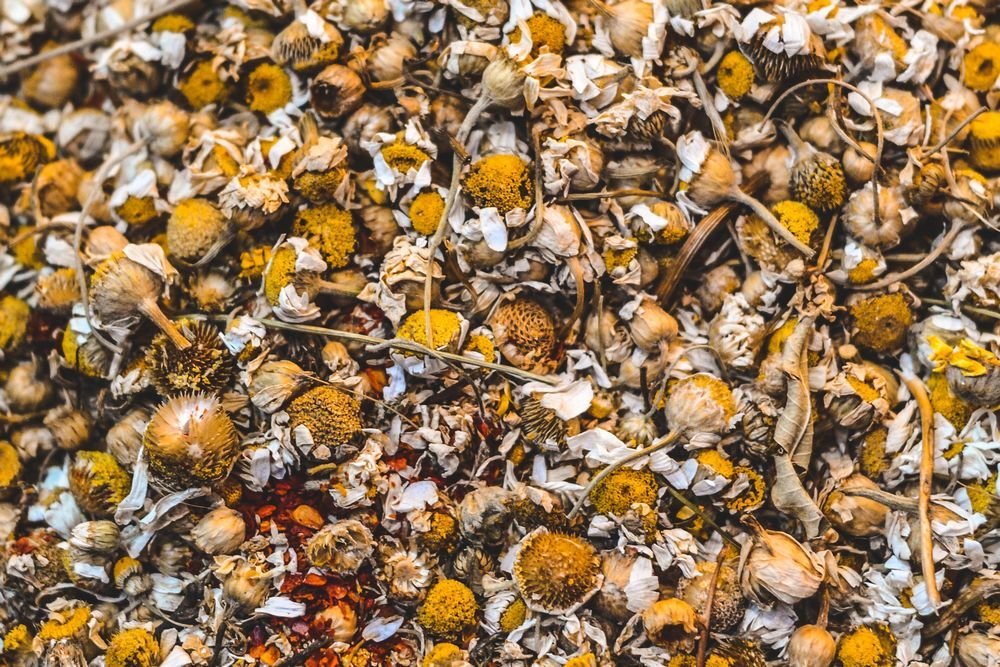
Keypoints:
pixel 58 291
pixel 779 66
pixel 525 333
pixel 927 185
pixel 645 129
pixel 741 652
pixel 540 424
pixel 295 46
pixel 190 441
pixel 811 646
pixel 728 604
pixel 336 91
pixel 98 482
pixel 206 365
pixel 818 181
pixel 556 573
pixel 120 288
pixel 332 416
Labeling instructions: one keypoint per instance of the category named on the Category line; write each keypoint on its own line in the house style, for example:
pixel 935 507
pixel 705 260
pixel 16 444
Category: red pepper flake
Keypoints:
pixel 264 511
pixel 313 579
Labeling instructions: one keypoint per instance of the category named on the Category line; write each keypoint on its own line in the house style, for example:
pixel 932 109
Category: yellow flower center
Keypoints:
pixel 137 210
pixel 982 496
pixel 318 186
pixel 753 495
pixel 717 462
pixel 546 32
pixel 513 616
pixel 14 314
pixel 133 648
pixel 449 609
pixel 403 157
pixel 798 218
pixel 17 639
pixel 173 23
pixel 253 261
pixel 483 345
pixel 280 273
pixel 619 258
pixel 882 321
pixel 203 86
pixel 735 75
pixel 330 229
pixel 867 647
pixel 865 391
pixel 623 488
pixel 499 181
pixel 982 66
pixel 426 211
pixel 446 327
pixel 944 401
pixel 69 626
pixel 872 456
pixel 269 88
pixel 864 272
pixel 10 465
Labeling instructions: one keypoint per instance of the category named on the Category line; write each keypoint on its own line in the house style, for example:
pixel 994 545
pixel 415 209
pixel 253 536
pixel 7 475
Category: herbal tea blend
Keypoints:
pixel 482 333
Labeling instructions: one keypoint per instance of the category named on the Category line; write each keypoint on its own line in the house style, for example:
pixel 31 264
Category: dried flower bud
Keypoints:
pixel 671 623
pixel 27 389
pixel 342 547
pixel 387 61
pixel 811 646
pixel 859 216
pixel 484 514
pixel 99 537
pixel 775 566
pixel 70 428
pixel 854 515
pixel 247 585
pixel 503 81
pixel 651 326
pixel 857 167
pixel 129 577
pixel 339 622
pixel 98 482
pixel 701 403
pixel 336 91
pixel 52 82
pixel 221 531
pixel 164 124
pixel 977 649
pixel 124 438
pixel 274 383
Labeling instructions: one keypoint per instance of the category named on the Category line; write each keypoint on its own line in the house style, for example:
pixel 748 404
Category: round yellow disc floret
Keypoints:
pixel 448 610
pixel 443 533
pixel 14 314
pixel 445 324
pixel 867 646
pixel 173 23
pixel 442 655
pixel 753 495
pixel 513 616
pixel 332 417
pixel 615 258
pixel 872 454
pixel 21 154
pixel 403 157
pixel 982 66
pixel 426 211
pixel 133 648
pixel 269 88
pixel 194 228
pixel 10 465
pixel 17 639
pixel 254 261
pixel 98 482
pixel 546 33
pixel 280 273
pixel 319 186
pixel 985 140
pixel 623 488
pixel 203 86
pixel 717 462
pixel 864 272
pixel 882 321
pixel 484 345
pixel 944 401
pixel 556 573
pixel 500 181
pixel 66 625
pixel 798 218
pixel 735 75
pixel 329 229
pixel 585 660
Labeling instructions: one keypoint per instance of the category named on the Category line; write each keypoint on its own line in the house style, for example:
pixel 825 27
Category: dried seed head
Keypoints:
pixel 622 489
pixel 735 75
pixel 342 547
pixel 274 383
pixel 859 216
pixel 857 167
pixel 247 585
pixel 129 577
pixel 407 573
pixel 14 315
pixel 164 124
pixel 95 537
pixel 124 438
pixel 196 229
pixel 221 531
pixel 503 81
pixel 133 648
pixel 58 291
pixel 70 428
pixel 56 187
pixel 269 88
pixel 628 24
pixel 811 646
pixel 297 46
pixel 387 61
pixel 882 322
pixel 728 603
pixel 329 229
pixel 190 441
pixel 671 623
pixel 524 332
pixel 449 609
pixel 700 403
pixel 714 180
pixel 556 573
pixel 339 621
pixel 98 482
pixel 652 327
pixel 780 65
pixel 52 82
pixel 204 366
pixel 501 181
pixel 336 91
pixel 977 649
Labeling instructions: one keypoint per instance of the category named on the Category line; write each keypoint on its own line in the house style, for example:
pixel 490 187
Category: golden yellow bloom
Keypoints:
pixel 585 660
pixel 513 616
pixel 269 88
pixel 556 573
pixel 982 66
pixel 717 462
pixel 90 360
pixel 66 625
pixel 426 211
pixel 403 157
pixel 944 401
pixel 483 345
pixel 867 646
pixel 546 32
pixel 329 229
pixel 872 456
pixel 280 273
pixel 798 218
pixel 98 482
pixel 623 488
pixel 446 326
pixel 26 253
pixel 133 648
pixel 984 133
pixel 864 272
pixel 501 181
pixel 442 655
pixel 173 23
pixel 882 321
pixel 319 186
pixel 203 86
pixel 195 227
pixel 137 210
pixel 332 417
pixel 448 610
pixel 17 639
pixel 735 75
pixel 14 314
pixel 443 533
pixel 10 465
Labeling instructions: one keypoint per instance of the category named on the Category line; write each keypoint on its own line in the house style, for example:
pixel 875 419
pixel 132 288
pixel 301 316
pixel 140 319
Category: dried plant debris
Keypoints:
pixel 541 333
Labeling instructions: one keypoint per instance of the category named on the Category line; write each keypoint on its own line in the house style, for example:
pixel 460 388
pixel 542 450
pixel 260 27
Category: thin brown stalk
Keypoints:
pixel 609 194
pixel 824 252
pixel 39 58
pixel 972 310
pixel 706 618
pixel 955 132
pixel 919 391
pixel 974 593
pixel 956 228
pixel 697 238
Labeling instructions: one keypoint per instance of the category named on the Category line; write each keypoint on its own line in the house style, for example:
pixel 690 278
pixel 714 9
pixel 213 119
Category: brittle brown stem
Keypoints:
pixel 956 228
pixel 919 392
pixel 701 233
pixel 707 615
pixel 975 593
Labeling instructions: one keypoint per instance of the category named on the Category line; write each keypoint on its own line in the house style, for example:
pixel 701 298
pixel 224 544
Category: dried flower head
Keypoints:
pixel 524 332
pixel 204 366
pixel 556 573
pixel 332 416
pixel 449 610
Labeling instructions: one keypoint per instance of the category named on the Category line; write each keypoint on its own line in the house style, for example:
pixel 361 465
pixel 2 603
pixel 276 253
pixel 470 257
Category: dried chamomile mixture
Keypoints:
pixel 480 333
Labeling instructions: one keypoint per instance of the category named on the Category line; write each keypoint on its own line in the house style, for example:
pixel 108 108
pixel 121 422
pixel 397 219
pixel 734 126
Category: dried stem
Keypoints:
pixel 919 392
pixel 764 213
pixel 93 39
pixel 396 343
pixel 609 194
pixel 824 252
pixel 956 228
pixel 456 176
pixel 706 617
pixel 973 594
pixel 657 445
pixel 955 132
pixel 697 238
pixel 972 310
pixel 151 310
